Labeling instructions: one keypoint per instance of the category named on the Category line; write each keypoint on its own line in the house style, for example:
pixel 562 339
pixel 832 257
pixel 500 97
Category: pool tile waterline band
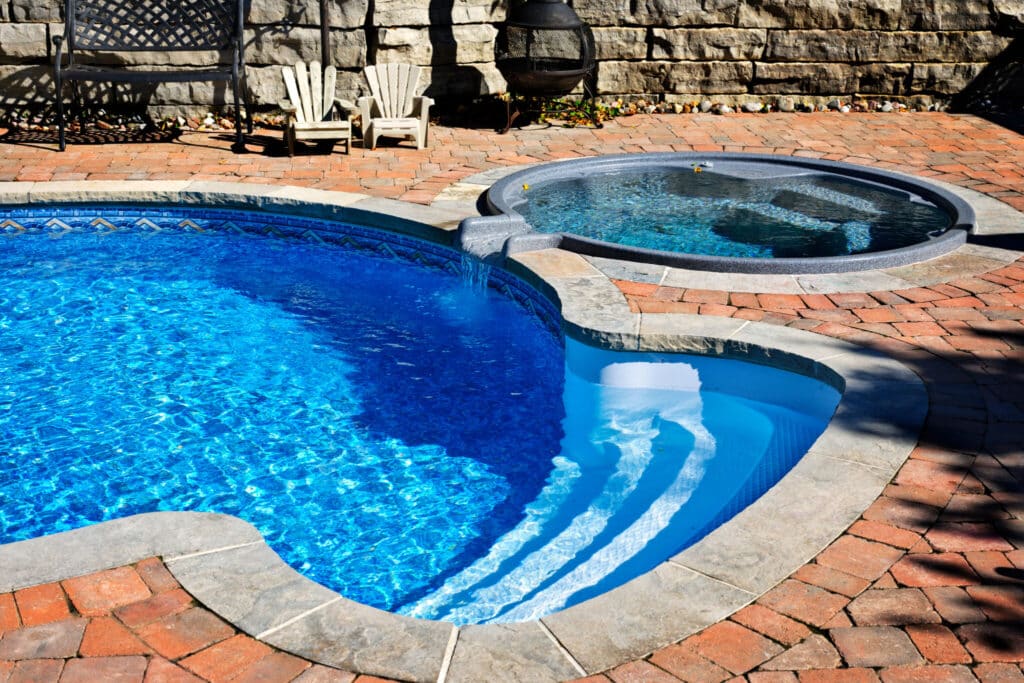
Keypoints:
pixel 842 473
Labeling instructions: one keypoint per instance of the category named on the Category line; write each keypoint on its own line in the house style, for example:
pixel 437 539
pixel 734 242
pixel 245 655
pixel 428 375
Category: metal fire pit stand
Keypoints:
pixel 543 49
pixel 517 105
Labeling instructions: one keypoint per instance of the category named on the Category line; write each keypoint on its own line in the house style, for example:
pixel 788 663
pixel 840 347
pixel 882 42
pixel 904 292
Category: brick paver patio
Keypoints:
pixel 928 585
pixel 963 150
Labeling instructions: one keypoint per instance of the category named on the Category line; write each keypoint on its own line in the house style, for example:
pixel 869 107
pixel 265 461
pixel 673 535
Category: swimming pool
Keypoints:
pixel 352 396
pixel 726 212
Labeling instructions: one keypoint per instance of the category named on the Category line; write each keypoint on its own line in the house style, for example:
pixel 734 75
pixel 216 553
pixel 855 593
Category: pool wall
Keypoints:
pixel 226 565
pixel 428 223
pixel 506 232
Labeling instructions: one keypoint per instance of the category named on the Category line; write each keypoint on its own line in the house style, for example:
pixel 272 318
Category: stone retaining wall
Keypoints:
pixel 665 49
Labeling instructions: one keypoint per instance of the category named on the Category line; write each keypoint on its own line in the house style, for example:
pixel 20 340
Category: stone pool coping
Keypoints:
pixel 225 564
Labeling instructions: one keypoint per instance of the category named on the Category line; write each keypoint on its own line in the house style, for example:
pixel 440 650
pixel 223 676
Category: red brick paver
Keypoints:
pixel 182 634
pixel 188 645
pixel 927 585
pixel 227 659
pixel 41 604
pixel 103 591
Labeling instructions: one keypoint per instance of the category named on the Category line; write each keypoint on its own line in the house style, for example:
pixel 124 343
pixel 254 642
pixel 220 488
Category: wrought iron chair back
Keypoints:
pixel 151 26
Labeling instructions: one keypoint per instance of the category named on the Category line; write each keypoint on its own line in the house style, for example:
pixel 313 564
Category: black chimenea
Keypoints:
pixel 543 49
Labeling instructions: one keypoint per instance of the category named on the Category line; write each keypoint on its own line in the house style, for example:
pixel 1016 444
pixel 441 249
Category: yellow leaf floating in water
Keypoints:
pixel 525 186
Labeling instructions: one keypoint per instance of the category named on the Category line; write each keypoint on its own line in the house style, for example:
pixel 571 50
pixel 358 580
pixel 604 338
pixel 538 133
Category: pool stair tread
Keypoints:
pixel 586 524
pixel 663 493
pixel 531 563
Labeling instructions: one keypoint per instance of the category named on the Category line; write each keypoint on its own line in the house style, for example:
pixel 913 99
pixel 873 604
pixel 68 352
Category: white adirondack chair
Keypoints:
pixel 393 109
pixel 314 113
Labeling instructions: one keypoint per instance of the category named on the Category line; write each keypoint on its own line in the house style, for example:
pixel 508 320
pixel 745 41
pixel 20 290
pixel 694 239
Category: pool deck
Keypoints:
pixel 927 584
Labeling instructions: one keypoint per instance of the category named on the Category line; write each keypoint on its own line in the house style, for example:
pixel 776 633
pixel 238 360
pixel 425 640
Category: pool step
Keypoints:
pixel 636 499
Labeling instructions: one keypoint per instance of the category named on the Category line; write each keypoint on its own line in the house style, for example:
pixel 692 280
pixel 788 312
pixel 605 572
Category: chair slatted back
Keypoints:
pixel 138 25
pixel 330 82
pixel 394 87
pixel 311 90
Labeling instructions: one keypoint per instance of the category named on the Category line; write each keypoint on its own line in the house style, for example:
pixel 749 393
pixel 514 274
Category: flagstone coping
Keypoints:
pixel 225 564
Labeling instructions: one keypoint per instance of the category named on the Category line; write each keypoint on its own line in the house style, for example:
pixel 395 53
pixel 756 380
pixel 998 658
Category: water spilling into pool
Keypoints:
pixel 416 443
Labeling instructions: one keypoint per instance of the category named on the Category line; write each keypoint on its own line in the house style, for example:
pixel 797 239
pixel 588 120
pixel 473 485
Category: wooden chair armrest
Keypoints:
pixel 344 109
pixel 368 108
pixel 421 104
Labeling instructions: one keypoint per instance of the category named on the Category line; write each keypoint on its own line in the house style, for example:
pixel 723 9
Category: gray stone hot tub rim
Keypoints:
pixel 505 231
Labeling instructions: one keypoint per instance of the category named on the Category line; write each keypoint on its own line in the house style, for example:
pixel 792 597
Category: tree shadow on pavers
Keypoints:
pixel 1004 374
pixel 976 593
pixel 1013 121
pixel 997 92
pixel 1010 241
pixel 982 601
pixel 1010 573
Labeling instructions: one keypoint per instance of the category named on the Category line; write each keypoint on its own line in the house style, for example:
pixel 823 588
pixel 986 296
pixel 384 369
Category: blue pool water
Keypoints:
pixel 414 442
pixel 714 214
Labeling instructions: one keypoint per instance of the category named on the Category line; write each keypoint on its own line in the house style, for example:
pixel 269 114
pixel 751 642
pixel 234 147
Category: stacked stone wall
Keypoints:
pixel 670 50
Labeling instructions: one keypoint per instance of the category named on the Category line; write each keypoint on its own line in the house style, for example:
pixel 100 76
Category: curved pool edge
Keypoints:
pixel 433 224
pixel 225 564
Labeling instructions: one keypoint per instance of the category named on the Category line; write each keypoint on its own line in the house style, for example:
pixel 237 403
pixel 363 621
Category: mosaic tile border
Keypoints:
pixel 110 219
